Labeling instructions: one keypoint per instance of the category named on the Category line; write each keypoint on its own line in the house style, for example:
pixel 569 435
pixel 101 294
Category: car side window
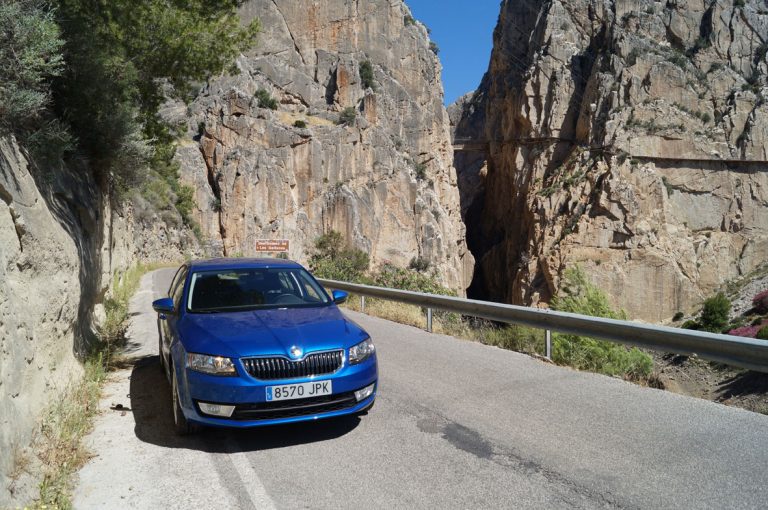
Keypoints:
pixel 179 290
pixel 174 281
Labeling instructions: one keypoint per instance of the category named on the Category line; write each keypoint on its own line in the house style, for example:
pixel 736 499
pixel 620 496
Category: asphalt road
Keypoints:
pixel 456 425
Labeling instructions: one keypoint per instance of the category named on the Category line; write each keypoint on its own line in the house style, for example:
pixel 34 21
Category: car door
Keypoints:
pixel 169 322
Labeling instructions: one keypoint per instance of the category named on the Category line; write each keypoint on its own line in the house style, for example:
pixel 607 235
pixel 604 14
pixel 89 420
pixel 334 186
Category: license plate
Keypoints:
pixel 302 390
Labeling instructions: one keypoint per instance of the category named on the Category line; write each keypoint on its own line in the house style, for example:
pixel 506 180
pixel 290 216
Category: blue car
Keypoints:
pixel 251 342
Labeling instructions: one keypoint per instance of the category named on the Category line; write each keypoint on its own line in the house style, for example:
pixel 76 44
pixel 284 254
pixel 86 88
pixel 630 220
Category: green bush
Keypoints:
pixel 395 277
pixel 119 72
pixel 434 47
pixel 300 124
pixel 419 264
pixel 265 99
pixel 678 316
pixel 408 20
pixel 30 56
pixel 366 75
pixel 762 334
pixel 347 116
pixel 421 171
pixel 691 324
pixel 715 314
pixel 333 259
pixel 578 295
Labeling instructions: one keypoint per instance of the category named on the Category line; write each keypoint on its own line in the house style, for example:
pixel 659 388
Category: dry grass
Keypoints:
pixel 60 445
pixel 62 452
pixel 516 338
pixel 115 325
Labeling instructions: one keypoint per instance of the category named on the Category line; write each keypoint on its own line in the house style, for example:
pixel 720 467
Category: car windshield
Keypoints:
pixel 244 289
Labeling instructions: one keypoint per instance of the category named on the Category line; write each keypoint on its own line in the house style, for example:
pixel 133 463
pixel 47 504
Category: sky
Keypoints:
pixel 463 30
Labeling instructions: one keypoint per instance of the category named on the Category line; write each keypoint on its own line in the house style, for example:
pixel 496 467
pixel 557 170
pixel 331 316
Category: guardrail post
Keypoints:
pixel 429 320
pixel 548 346
pixel 362 304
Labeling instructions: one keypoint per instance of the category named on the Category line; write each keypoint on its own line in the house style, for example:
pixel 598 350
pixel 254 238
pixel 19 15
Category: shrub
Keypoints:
pixel 408 20
pixel 578 295
pixel 691 324
pixel 678 316
pixel 111 92
pixel 632 57
pixel 395 277
pixel 513 337
pixel 760 302
pixel 30 55
pixel 265 99
pixel 762 334
pixel 434 47
pixel 185 203
pixel 752 330
pixel 300 124
pixel 347 116
pixel 334 260
pixel 715 314
pixel 366 75
pixel 421 171
pixel 419 264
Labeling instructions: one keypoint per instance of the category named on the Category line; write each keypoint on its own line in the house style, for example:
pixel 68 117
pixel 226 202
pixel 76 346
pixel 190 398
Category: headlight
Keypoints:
pixel 216 365
pixel 361 351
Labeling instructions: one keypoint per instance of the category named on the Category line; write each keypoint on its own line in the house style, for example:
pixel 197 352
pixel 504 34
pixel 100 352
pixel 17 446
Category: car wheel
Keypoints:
pixel 180 424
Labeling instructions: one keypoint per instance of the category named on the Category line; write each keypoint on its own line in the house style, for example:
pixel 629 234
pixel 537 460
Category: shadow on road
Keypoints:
pixel 150 403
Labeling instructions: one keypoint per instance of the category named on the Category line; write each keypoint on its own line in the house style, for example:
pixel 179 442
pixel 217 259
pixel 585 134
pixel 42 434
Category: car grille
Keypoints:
pixel 293 408
pixel 283 368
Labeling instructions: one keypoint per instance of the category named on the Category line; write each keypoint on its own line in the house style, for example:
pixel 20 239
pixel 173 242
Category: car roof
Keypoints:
pixel 241 263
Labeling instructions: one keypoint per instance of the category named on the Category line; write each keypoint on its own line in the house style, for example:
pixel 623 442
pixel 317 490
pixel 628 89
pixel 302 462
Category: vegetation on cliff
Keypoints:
pixel 83 82
pixel 578 295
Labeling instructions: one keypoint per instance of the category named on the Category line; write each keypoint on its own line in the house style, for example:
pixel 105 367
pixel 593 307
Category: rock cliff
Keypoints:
pixel 630 137
pixel 61 242
pixel 384 178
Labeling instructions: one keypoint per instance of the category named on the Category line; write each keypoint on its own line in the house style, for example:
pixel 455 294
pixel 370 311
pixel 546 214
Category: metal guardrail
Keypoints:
pixel 733 350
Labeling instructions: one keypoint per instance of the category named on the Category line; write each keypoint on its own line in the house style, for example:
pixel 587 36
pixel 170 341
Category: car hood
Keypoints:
pixel 269 332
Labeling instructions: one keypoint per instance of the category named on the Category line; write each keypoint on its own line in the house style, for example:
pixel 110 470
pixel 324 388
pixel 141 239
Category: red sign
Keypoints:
pixel 272 245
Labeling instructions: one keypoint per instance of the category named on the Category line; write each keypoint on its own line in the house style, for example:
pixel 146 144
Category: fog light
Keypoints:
pixel 365 392
pixel 216 409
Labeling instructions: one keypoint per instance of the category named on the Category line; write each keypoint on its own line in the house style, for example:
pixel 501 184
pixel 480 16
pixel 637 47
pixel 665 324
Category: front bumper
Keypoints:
pixel 248 395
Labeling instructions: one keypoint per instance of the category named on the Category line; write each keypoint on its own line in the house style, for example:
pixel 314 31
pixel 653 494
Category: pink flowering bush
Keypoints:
pixel 760 302
pixel 749 331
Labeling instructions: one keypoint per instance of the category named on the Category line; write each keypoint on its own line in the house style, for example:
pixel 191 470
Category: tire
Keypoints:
pixel 162 358
pixel 181 426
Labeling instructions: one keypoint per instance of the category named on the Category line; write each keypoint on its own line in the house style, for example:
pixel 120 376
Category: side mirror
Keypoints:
pixel 339 296
pixel 164 305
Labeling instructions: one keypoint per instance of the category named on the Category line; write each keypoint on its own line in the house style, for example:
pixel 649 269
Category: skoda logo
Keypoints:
pixel 296 352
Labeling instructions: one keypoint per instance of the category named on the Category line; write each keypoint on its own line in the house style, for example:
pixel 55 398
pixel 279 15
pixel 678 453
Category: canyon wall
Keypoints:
pixel 61 242
pixel 384 178
pixel 628 137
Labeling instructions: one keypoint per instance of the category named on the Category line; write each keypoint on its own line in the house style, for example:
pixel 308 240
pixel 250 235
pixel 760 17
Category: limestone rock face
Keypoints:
pixel 627 137
pixel 384 178
pixel 61 242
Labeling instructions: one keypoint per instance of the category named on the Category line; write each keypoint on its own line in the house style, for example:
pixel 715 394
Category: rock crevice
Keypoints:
pixel 619 138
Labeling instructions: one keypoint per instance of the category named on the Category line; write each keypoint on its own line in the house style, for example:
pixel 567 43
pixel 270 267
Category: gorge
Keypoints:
pixel 627 137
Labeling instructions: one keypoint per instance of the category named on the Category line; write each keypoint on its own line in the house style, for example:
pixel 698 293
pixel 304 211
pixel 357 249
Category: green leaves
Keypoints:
pixel 124 57
pixel 578 295
pixel 30 55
